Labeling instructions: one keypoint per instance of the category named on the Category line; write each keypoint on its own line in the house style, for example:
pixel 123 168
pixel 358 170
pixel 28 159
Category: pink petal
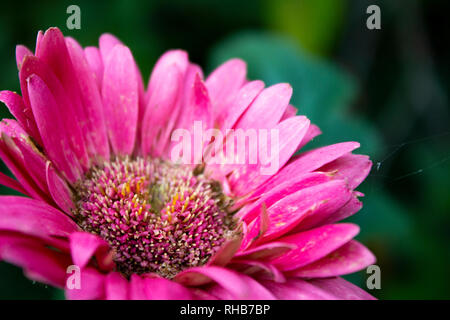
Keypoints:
pixel 349 258
pixel 313 131
pixel 142 103
pixel 59 190
pixel 137 288
pixel 197 105
pixel 116 287
pixel 38 261
pixel 164 92
pixel 11 183
pixel 267 109
pixel 314 244
pixel 226 120
pixel 238 285
pixel 84 246
pixel 257 228
pixel 48 118
pixel 331 197
pixel 53 53
pixel 220 293
pixel 300 210
pixel 196 110
pixel 350 208
pixel 258 269
pixel 290 112
pixel 39 37
pixel 352 167
pixel 312 160
pixel 120 98
pixel 244 97
pixel 193 71
pixel 297 289
pixel 290 132
pixel 94 128
pixel 200 294
pixel 170 59
pixel 160 117
pixel 224 83
pixel 107 42
pixel 227 251
pixel 35 164
pixel 34 217
pixel 158 289
pixel 26 182
pixel 21 52
pixel 341 289
pixel 94 59
pixel 184 117
pixel 23 114
pixel 13 140
pixel 270 192
pixel 268 251
pixel 233 285
pixel 33 160
pixel 92 286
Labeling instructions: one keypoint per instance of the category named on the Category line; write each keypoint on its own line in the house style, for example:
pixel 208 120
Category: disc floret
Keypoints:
pixel 156 215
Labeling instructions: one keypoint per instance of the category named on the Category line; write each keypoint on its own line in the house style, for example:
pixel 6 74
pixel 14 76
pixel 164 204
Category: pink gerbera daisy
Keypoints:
pixel 92 151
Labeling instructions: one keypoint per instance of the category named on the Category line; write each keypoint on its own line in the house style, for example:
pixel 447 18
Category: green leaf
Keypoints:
pixel 314 24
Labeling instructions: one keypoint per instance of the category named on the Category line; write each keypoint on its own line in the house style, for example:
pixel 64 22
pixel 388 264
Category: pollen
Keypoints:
pixel 158 216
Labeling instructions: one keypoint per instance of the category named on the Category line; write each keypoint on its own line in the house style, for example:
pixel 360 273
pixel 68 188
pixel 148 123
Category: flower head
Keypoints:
pixel 191 188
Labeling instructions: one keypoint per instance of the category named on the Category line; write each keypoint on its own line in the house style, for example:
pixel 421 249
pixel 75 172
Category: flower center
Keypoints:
pixel 156 215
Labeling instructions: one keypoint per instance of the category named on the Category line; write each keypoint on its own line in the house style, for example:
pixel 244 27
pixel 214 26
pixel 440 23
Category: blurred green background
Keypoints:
pixel 386 88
